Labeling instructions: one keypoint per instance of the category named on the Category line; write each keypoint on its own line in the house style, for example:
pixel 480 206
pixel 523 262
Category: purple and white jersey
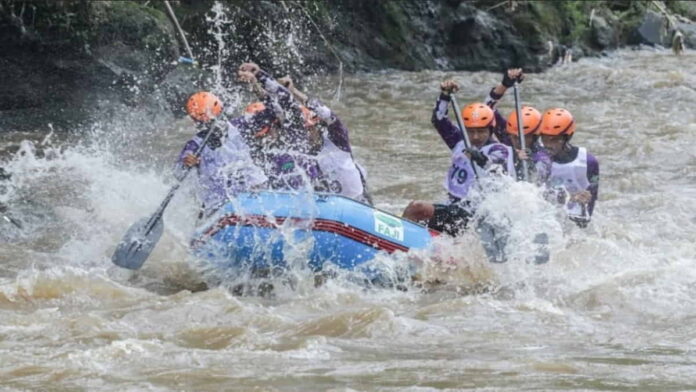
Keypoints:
pixel 340 170
pixel 580 174
pixel 293 135
pixel 541 166
pixel 290 165
pixel 292 170
pixel 500 155
pixel 223 171
pixel 335 157
pixel 460 175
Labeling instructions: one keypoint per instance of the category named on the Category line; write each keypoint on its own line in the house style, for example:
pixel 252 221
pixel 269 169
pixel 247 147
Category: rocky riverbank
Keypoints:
pixel 67 62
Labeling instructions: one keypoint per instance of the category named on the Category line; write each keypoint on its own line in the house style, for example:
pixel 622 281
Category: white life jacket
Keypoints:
pixel 501 155
pixel 572 177
pixel 460 175
pixel 340 170
pixel 226 170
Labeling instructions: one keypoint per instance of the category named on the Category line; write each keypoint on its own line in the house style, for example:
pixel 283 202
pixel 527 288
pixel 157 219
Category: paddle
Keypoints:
pixel 520 131
pixel 467 143
pixel 172 15
pixel 11 220
pixel 493 244
pixel 142 237
pixel 541 239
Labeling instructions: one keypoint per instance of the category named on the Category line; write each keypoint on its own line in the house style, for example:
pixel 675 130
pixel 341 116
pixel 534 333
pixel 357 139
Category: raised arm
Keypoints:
pixel 337 131
pixel 291 114
pixel 509 78
pixel 450 133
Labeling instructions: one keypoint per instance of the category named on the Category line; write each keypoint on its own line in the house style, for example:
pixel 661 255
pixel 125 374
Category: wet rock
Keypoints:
pixel 653 29
pixel 689 31
pixel 136 43
pixel 477 40
pixel 687 8
pixel 61 64
pixel 604 35
pixel 180 84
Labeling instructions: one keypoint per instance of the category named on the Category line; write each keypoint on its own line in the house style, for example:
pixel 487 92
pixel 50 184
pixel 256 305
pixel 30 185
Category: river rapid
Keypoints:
pixel 612 310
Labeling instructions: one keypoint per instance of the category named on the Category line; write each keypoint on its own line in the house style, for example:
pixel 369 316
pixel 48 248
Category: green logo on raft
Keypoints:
pixel 389 226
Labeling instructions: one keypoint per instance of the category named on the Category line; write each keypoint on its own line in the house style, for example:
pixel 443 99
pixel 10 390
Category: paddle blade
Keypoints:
pixel 542 254
pixel 12 221
pixel 138 243
pixel 493 240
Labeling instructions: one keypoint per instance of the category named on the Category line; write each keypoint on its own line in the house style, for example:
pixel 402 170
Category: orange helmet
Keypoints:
pixel 203 106
pixel 310 118
pixel 531 119
pixel 557 122
pixel 477 115
pixel 255 107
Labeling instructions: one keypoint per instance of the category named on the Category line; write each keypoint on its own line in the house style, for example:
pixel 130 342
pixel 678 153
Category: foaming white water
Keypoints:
pixel 75 203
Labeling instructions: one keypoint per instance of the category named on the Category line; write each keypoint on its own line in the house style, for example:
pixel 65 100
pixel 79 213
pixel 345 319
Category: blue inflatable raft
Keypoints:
pixel 272 229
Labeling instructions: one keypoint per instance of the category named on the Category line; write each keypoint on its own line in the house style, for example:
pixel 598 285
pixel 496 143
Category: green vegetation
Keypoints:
pixel 81 23
pixel 576 18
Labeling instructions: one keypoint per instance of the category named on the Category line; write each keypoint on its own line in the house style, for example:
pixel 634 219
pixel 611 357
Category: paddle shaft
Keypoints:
pixel 11 220
pixel 7 218
pixel 520 131
pixel 465 135
pixel 541 239
pixel 160 210
pixel 178 28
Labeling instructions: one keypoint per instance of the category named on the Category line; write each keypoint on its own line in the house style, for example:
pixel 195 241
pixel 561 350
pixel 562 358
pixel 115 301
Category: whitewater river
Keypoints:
pixel 613 310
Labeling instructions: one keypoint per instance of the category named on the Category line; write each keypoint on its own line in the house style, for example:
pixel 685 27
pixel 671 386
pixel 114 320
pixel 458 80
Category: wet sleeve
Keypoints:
pixel 275 89
pixel 293 123
pixel 189 148
pixel 492 98
pixel 449 133
pixel 542 167
pixel 500 129
pixel 338 132
pixel 593 177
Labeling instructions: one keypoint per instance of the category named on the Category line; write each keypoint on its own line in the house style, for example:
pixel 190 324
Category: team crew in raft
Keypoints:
pixel 546 168
pixel 485 152
pixel 539 168
pixel 276 144
pixel 290 160
pixel 574 171
pixel 335 156
pixel 505 131
pixel 224 166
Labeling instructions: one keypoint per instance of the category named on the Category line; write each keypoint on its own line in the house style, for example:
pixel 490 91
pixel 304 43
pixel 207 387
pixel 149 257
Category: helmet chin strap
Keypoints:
pixel 215 130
